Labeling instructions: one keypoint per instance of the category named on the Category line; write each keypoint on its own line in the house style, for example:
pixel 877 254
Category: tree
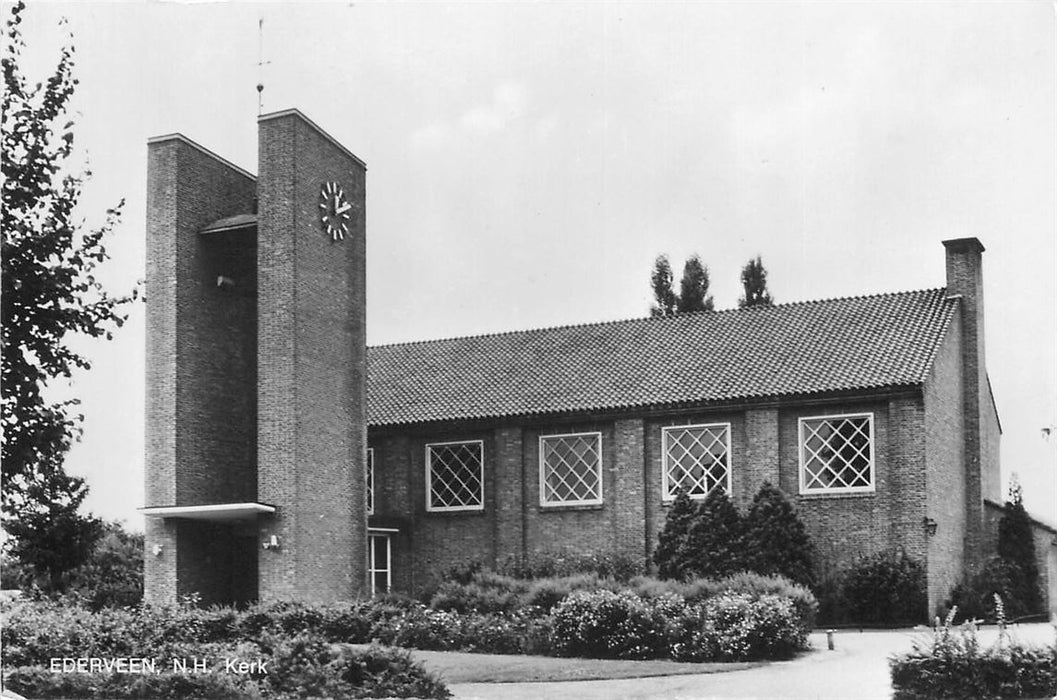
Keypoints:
pixel 49 291
pixel 1016 545
pixel 113 575
pixel 693 288
pixel 49 287
pixel 50 538
pixel 715 538
pixel 754 282
pixel 776 541
pixel 672 555
pixel 661 281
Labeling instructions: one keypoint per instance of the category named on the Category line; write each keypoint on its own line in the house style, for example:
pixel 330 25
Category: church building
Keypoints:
pixel 287 460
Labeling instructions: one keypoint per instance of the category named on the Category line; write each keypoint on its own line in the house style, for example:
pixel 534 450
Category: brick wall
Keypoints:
pixel 764 446
pixel 311 357
pixel 742 471
pixel 944 455
pixel 200 370
pixel 841 526
pixel 508 476
pixel 588 528
pixel 991 437
pixel 443 538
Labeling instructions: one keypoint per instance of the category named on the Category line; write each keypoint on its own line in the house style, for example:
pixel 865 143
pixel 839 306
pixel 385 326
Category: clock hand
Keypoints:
pixel 344 208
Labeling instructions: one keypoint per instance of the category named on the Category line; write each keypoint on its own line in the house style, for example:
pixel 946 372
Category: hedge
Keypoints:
pixel 299 667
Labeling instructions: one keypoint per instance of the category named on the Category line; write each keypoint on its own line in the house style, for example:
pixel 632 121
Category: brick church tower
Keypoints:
pixel 256 367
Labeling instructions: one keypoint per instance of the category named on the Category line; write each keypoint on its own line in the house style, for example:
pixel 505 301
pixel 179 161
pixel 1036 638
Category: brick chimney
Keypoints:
pixel 964 258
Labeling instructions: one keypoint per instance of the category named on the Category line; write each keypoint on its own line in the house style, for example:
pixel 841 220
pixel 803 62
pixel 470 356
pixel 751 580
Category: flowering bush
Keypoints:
pixel 951 663
pixel 608 625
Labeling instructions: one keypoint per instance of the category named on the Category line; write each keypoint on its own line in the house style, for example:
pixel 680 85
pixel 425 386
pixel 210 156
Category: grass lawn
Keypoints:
pixel 464 667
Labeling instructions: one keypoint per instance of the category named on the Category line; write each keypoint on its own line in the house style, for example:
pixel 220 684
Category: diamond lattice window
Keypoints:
pixel 370 481
pixel 571 469
pixel 696 459
pixel 836 454
pixel 455 476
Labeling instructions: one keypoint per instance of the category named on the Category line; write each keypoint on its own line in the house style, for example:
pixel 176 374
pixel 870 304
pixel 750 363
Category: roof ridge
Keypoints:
pixel 656 319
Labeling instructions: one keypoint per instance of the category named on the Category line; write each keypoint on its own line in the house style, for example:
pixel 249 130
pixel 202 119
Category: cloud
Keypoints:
pixel 508 104
pixel 431 137
pixel 509 101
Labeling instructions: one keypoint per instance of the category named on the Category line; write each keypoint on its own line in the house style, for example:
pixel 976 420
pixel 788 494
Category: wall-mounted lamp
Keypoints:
pixel 272 542
pixel 930 525
pixel 157 550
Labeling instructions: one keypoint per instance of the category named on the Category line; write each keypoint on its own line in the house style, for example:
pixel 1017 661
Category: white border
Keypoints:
pixel 372 539
pixel 844 489
pixel 429 478
pixel 370 475
pixel 666 494
pixel 552 504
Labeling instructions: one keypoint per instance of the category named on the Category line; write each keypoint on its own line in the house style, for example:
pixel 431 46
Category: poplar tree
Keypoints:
pixel 661 279
pixel 693 288
pixel 754 284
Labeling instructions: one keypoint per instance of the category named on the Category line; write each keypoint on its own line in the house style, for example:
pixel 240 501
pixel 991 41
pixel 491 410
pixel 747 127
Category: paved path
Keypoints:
pixel 856 669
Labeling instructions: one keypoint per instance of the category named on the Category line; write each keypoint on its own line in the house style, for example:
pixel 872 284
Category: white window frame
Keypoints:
pixel 430 508
pixel 542 466
pixel 667 493
pixel 372 541
pixel 370 481
pixel 801 447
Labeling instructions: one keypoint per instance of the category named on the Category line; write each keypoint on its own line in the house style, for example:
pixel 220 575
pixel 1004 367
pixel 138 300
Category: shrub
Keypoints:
pixel 975 598
pixel 715 538
pixel 829 590
pixel 304 665
pixel 886 590
pixel 545 593
pixel 950 663
pixel 493 593
pixel 421 628
pixel 757 586
pixel 608 625
pixel 1016 544
pixel 672 555
pixel 485 592
pixel 39 682
pixel 113 574
pixel 776 539
pixel 766 628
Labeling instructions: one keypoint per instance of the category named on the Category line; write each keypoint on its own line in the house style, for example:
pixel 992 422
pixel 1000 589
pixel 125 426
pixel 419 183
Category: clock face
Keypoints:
pixel 334 211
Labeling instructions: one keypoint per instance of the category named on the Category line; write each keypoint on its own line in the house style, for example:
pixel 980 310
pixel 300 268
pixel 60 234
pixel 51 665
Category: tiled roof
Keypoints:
pixel 845 344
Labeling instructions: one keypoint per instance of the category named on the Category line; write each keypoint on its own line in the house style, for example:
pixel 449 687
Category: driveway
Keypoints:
pixel 856 669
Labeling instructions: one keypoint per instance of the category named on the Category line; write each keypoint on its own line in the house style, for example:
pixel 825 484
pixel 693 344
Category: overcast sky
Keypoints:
pixel 527 162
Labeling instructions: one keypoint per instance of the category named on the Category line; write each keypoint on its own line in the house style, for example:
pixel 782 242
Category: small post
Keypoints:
pixel 829 639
